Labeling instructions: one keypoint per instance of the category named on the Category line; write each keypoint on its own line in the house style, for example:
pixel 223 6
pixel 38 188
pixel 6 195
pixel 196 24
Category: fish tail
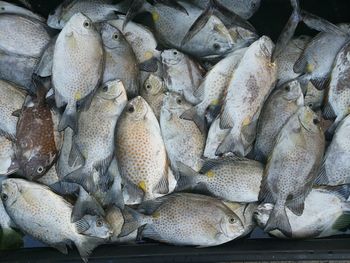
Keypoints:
pixel 86 244
pixel 132 221
pixel 83 177
pixel 69 119
pixel 187 177
pixel 278 220
pixel 194 115
pixel 232 143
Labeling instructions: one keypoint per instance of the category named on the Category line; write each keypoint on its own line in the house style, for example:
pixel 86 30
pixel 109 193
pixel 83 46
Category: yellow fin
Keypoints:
pixel 77 96
pixel 142 185
pixel 156 215
pixel 246 121
pixel 215 102
pixel 148 55
pixel 155 16
pixel 310 68
pixel 210 174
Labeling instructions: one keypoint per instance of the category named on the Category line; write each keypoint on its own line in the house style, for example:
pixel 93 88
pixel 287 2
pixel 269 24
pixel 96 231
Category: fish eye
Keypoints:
pixel 178 100
pixel 310 105
pixel 216 46
pixel 115 36
pixel 232 220
pixel 99 223
pixel 287 88
pixel 105 88
pixel 148 86
pixel 316 121
pixel 40 169
pixel 175 53
pixel 253 5
pixel 2 8
pixel 4 197
pixel 86 24
pixel 131 109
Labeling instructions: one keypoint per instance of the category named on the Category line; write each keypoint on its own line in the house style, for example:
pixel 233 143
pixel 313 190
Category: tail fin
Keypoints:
pixel 232 144
pixel 187 177
pixel 69 119
pixel 278 220
pixel 86 245
pixel 198 119
pixel 82 176
pixel 215 7
pixel 132 221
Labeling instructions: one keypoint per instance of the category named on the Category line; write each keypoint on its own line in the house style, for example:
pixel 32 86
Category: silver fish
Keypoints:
pixel 7 157
pixel 78 44
pixel 9 8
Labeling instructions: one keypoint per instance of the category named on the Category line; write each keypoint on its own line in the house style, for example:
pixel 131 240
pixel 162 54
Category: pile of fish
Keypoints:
pixel 191 132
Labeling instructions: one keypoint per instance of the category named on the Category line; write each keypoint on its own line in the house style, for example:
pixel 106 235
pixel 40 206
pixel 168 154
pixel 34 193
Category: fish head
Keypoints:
pixel 10 191
pixel 219 41
pixel 112 37
pixel 309 120
pixel 291 91
pixel 313 97
pixel 113 90
pixel 174 102
pixel 137 109
pixel 172 57
pixel 262 214
pixel 231 225
pixel 97 227
pixel 79 24
pixel 241 36
pixel 153 85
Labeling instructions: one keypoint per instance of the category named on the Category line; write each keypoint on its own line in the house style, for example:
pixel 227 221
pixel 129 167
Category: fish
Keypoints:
pixel 287 59
pixel 316 61
pixel 171 26
pixel 30 39
pixel 153 91
pixel 8 164
pixel 278 108
pixel 120 60
pixel 236 180
pixel 335 167
pixel 318 220
pixel 93 144
pixel 50 178
pixel 37 143
pixel 313 97
pixel 11 99
pixel 96 10
pixel 9 8
pixel 250 86
pixel 77 44
pixel 183 140
pixel 24 202
pixel 242 37
pixel 244 9
pixel 140 151
pixel 338 99
pixel 215 137
pixel 204 221
pixel 181 74
pixel 298 152
pixel 212 89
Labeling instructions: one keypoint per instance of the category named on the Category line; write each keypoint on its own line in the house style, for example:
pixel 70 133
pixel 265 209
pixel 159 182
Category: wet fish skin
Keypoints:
pixel 140 151
pixel 278 108
pixel 93 145
pixel 24 202
pixel 78 44
pixel 317 219
pixel 212 89
pixel 153 91
pixel 96 10
pixel 248 89
pixel 236 180
pixel 205 221
pixel 120 60
pixel 50 178
pixel 11 100
pixel 30 39
pixel 298 151
pixel 9 8
pixel 181 74
pixel 335 167
pixel 7 156
pixel 36 143
pixel 183 140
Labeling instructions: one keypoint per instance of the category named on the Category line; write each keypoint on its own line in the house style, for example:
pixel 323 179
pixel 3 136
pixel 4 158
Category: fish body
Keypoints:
pixel 251 84
pixel 183 139
pixel 277 110
pixel 120 60
pixel 9 8
pixel 181 74
pixel 78 44
pixel 140 150
pixel 227 179
pixel 7 156
pixel 298 152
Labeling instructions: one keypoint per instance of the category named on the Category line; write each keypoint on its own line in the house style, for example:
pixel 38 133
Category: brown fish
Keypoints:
pixel 36 145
